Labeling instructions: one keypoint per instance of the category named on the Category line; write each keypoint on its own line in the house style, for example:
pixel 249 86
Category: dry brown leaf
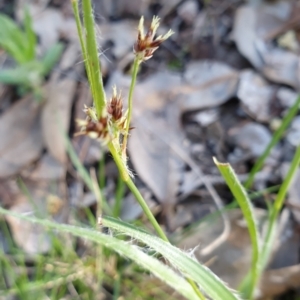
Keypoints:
pixel 48 168
pixel 47 198
pixel 8 191
pixel 252 26
pixel 251 140
pixel 20 135
pixel 252 23
pixel 232 259
pixel 57 110
pixel 286 96
pixel 150 146
pixel 281 66
pixel 209 84
pixel 244 34
pixel 255 94
pixel 35 7
pixel 50 25
pixel 122 34
pixel 157 139
pixel 276 282
pixel 32 238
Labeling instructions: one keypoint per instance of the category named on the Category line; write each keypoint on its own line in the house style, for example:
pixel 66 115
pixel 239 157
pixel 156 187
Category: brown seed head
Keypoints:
pixel 115 106
pixel 94 129
pixel 145 44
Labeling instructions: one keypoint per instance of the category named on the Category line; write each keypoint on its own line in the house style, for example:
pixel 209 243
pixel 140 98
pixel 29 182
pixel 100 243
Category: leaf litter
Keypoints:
pixel 226 105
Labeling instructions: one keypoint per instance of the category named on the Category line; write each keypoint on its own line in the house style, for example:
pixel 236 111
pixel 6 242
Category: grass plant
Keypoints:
pixel 29 72
pixel 107 122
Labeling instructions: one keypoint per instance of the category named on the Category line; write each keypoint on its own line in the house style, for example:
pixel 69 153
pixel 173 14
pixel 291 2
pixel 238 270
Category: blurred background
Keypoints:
pixel 220 86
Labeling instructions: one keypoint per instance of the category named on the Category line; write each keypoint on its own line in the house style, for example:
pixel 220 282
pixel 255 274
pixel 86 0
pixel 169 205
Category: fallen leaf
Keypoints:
pixel 281 66
pixel 57 110
pixel 286 96
pixel 121 34
pixel 151 151
pixel 51 25
pixel 232 259
pixel 252 24
pixel 135 8
pixel 32 238
pixel 20 135
pixel 252 138
pixel 47 168
pixel 188 11
pixel 244 34
pixel 276 282
pixel 209 84
pixel 255 94
pixel 8 191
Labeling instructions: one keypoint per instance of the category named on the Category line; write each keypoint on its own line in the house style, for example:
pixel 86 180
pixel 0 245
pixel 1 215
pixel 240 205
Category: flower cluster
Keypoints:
pixel 146 44
pixel 113 121
pixel 106 127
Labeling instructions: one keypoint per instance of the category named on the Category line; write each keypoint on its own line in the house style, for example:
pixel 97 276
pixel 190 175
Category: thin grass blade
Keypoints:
pixel 125 249
pixel 208 282
pixel 276 137
pixel 245 204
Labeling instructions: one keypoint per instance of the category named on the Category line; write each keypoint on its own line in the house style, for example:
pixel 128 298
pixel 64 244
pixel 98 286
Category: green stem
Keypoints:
pixel 82 42
pixel 195 288
pixel 135 70
pixel 92 58
pixel 125 176
pixel 145 208
pixel 276 137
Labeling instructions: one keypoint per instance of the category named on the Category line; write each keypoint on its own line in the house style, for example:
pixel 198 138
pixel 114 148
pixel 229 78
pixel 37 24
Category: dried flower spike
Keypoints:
pixel 94 129
pixel 115 106
pixel 145 45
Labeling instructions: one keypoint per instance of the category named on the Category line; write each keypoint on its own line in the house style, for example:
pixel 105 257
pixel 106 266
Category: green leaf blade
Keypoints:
pixel 200 274
pixel 132 252
pixel 246 206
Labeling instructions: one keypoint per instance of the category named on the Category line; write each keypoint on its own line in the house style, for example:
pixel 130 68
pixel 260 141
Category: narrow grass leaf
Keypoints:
pixel 276 208
pixel 208 282
pixel 51 57
pixel 30 36
pixel 246 206
pixel 125 249
pixel 275 138
pixel 270 236
pixel 12 39
pixel 82 170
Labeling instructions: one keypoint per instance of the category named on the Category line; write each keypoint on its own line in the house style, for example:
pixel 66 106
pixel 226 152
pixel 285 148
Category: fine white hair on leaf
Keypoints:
pixel 191 252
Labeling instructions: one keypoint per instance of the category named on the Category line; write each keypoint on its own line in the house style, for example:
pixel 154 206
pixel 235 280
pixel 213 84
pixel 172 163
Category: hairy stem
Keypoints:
pixel 92 59
pixel 82 42
pixel 124 173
